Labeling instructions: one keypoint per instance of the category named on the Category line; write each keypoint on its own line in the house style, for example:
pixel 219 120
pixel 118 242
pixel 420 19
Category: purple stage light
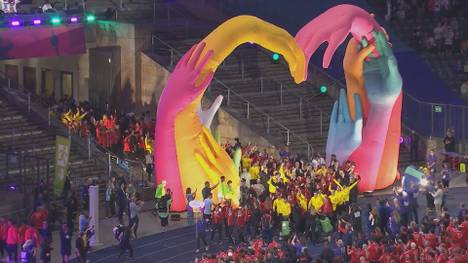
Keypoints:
pixel 12 188
pixel 73 19
pixel 37 22
pixel 15 23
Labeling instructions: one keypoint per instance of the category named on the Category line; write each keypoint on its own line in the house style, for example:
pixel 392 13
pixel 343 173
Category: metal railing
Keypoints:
pixel 233 98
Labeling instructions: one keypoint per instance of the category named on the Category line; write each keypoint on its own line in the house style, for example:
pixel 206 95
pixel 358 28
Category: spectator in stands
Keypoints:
pixel 47 7
pixel 449 141
pixel 414 146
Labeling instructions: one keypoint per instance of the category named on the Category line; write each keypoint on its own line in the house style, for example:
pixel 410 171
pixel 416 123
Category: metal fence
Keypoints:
pixel 19 171
pixel 433 119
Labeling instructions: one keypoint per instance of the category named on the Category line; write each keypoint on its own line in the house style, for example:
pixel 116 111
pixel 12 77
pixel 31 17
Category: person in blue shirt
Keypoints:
pixel 207 207
pixel 413 202
pixel 65 243
pixel 201 229
pixel 83 222
pixel 446 176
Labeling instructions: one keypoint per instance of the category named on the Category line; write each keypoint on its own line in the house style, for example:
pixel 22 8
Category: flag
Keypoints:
pixel 62 154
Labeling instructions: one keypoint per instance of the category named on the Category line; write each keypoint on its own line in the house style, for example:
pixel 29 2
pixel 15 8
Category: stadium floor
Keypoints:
pixel 179 245
pixel 173 246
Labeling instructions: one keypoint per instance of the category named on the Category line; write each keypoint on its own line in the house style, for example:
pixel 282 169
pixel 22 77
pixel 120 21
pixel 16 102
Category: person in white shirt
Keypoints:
pixel 46 6
pixel 448 40
pixel 246 175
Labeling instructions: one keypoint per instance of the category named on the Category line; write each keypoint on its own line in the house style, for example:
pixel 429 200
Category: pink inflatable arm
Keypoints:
pixel 180 91
pixel 333 26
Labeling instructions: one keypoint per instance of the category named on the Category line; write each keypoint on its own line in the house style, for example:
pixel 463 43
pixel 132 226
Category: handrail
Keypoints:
pixel 238 95
pixel 308 81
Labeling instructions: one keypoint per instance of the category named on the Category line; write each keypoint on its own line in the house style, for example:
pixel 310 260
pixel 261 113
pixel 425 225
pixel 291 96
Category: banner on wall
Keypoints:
pixel 44 41
pixel 62 154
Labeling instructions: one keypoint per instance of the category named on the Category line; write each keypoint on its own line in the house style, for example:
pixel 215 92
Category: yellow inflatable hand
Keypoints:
pixel 242 29
pixel 200 157
pixel 353 65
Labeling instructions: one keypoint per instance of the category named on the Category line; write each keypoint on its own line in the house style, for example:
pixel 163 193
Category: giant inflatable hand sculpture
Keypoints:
pixel 187 155
pixel 344 133
pixel 333 26
pixel 377 156
pixel 377 83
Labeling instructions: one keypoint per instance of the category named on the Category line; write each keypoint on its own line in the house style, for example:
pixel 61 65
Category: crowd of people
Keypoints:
pixel 30 239
pixel 124 134
pixel 438 26
pixel 282 198
pixel 277 221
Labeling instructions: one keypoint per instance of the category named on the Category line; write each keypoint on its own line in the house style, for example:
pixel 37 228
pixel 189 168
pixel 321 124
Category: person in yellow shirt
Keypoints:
pixel 302 201
pixel 246 162
pixel 254 171
pixel 272 183
pixel 282 207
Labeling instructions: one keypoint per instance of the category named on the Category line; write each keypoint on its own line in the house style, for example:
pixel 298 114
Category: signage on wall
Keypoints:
pixel 438 108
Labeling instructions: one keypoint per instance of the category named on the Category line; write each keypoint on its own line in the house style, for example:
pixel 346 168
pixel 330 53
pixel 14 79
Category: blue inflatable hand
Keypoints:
pixel 382 79
pixel 344 134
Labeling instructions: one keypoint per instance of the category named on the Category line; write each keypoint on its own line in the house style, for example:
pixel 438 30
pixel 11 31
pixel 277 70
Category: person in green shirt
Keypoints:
pixel 223 189
pixel 159 193
pixel 229 191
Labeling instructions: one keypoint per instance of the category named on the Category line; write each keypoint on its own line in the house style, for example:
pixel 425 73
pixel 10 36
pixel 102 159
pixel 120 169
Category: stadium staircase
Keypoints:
pixel 30 144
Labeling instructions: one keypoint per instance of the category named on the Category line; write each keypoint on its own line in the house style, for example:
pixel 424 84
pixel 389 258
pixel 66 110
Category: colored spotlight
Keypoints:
pixel 73 19
pixel 90 18
pixel 323 89
pixel 275 57
pixel 15 23
pixel 55 20
pixel 37 22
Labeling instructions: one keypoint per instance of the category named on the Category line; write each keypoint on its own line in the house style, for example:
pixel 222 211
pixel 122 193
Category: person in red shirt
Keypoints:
pixel 354 254
pixel 217 222
pixel 12 241
pixel 32 234
pixel 240 224
pixel 38 217
pixel 372 251
pixel 3 236
pixel 127 148
pixel 21 233
pixel 230 221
